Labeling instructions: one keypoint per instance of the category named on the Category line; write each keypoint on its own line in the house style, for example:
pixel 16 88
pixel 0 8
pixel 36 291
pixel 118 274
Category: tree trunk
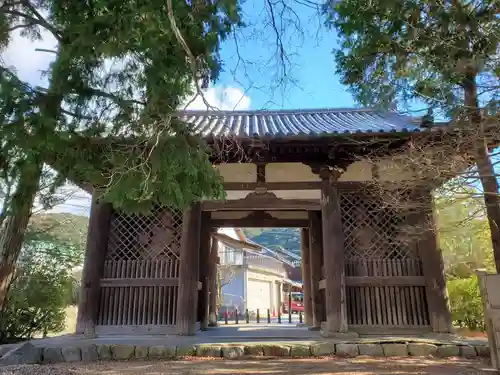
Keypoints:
pixel 15 224
pixel 14 228
pixel 214 290
pixel 484 166
pixel 491 198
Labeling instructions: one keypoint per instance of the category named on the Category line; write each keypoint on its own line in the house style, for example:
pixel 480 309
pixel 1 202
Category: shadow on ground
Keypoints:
pixel 317 366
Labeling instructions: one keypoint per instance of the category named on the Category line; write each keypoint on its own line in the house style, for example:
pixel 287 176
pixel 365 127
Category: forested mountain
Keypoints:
pixel 464 234
pixel 288 238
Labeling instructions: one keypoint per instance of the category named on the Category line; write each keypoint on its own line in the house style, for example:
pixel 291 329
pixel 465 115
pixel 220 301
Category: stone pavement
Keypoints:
pixel 237 341
pixel 310 366
pixel 232 333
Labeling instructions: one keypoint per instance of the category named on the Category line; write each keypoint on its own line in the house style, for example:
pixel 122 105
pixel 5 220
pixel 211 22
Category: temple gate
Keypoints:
pixel 364 274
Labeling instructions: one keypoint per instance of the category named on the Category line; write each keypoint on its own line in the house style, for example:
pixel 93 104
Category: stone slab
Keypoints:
pixel 422 350
pixel 185 351
pixel 468 351
pixel 141 352
pixel 4 349
pixel 122 352
pixel 372 350
pixel 339 335
pixel 89 353
pixel 235 351
pixel 395 350
pixel 323 349
pixel 52 355
pixel 299 350
pixel 163 352
pixel 254 350
pixel 276 350
pixel 448 351
pixel 26 353
pixel 483 351
pixel 104 352
pixel 208 351
pixel 110 348
pixel 71 354
pixel 346 350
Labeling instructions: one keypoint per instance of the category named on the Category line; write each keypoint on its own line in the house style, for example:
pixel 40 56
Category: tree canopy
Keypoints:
pixel 464 236
pixel 392 52
pixel 443 54
pixel 119 69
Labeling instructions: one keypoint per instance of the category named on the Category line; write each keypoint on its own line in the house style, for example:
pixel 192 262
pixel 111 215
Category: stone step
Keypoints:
pixel 28 353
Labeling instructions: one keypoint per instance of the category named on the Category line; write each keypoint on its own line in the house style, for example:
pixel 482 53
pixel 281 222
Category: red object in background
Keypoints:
pixel 297 302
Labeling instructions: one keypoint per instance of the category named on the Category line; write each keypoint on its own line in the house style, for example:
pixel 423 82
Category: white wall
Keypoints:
pixel 272 302
pixel 233 292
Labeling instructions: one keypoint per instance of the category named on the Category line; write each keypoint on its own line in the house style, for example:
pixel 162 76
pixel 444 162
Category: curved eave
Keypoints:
pixel 313 136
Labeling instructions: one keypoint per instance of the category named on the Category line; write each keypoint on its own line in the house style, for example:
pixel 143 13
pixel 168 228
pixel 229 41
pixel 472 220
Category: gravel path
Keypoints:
pixel 319 366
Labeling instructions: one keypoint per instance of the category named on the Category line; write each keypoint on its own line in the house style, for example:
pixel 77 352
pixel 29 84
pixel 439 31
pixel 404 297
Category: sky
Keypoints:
pixel 252 76
pixel 253 66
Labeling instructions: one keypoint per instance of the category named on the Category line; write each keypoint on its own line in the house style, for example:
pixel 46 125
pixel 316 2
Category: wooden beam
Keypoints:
pixel 305 252
pixel 146 282
pixel 261 173
pixel 433 269
pixel 381 281
pixel 384 330
pixel 385 281
pixel 189 271
pixel 298 185
pixel 93 268
pixel 261 201
pixel 144 330
pixel 205 243
pixel 233 242
pixel 264 223
pixel 333 258
pixel 213 261
pixel 316 250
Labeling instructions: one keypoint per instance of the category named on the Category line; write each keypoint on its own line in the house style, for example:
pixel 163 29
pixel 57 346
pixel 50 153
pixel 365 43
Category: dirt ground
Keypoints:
pixel 317 366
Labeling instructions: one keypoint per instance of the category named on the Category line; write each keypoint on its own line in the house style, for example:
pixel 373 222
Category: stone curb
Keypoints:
pixel 27 353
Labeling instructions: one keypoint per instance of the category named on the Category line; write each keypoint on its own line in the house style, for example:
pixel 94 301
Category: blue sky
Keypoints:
pixel 251 82
pixel 252 72
pixel 311 82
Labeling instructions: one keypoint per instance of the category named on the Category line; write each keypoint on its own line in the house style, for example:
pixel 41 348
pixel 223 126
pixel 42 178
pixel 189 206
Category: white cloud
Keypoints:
pixel 219 97
pixel 76 201
pixel 22 54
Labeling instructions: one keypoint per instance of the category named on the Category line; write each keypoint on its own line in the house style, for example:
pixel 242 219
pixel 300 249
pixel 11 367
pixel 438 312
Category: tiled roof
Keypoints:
pixel 286 123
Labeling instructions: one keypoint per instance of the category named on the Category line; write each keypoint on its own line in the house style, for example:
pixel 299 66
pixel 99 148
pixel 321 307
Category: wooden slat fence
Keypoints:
pixel 139 298
pixel 139 288
pixel 390 304
pixel 385 285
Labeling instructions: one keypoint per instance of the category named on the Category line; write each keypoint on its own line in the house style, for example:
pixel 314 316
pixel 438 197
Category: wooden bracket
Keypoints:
pixel 261 173
pixel 328 173
pixel 331 169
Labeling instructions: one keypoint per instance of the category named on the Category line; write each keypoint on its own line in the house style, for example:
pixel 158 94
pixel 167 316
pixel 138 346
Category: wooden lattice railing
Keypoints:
pixel 139 287
pixel 385 286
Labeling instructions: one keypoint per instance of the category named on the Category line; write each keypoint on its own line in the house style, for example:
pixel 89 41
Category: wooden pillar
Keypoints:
pixel 316 251
pixel 280 297
pixel 93 267
pixel 433 269
pixel 306 275
pixel 333 258
pixel 189 271
pixel 205 244
pixel 213 260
